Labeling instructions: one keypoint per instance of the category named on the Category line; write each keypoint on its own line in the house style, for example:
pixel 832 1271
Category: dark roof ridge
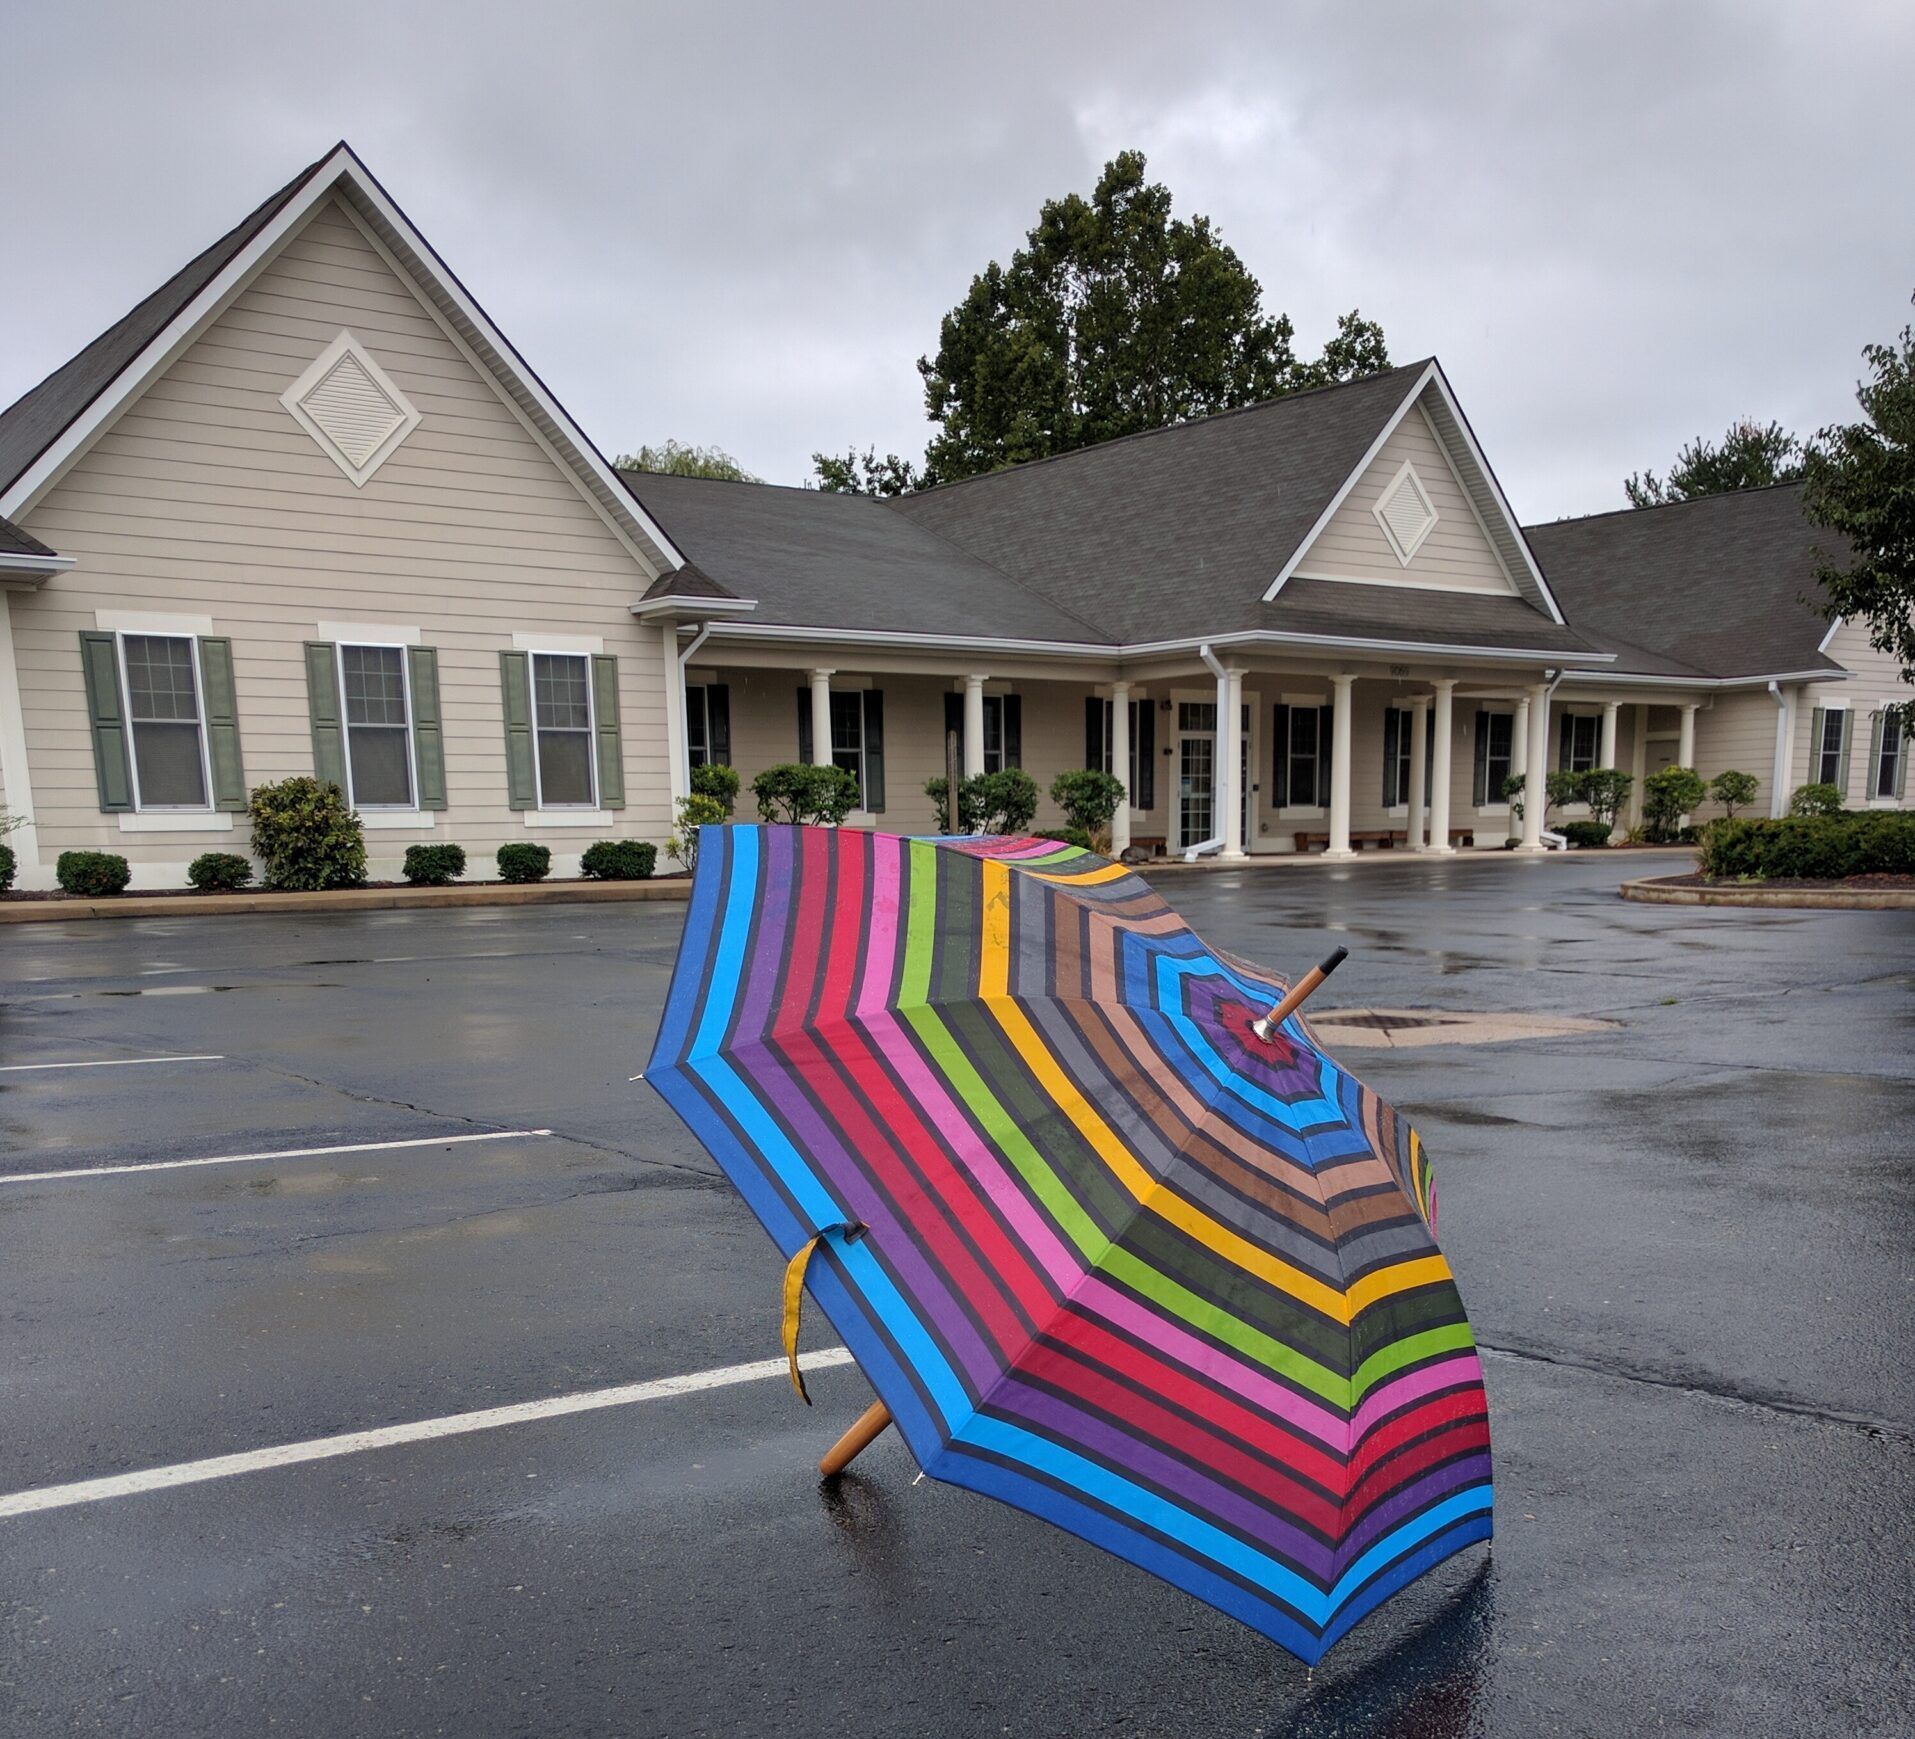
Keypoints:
pixel 1170 428
pixel 1660 506
pixel 628 471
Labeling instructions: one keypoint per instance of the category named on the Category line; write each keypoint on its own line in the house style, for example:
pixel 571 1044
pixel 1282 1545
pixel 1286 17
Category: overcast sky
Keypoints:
pixel 1618 225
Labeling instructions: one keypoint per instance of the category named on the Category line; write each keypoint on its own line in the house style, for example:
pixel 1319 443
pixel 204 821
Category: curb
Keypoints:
pixel 1656 891
pixel 340 900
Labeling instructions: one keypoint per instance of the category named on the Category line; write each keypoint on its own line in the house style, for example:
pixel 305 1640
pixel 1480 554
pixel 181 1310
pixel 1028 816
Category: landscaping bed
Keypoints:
pixel 1872 891
pixel 51 907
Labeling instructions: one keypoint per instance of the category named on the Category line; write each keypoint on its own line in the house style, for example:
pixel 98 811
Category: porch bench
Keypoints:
pixel 1384 838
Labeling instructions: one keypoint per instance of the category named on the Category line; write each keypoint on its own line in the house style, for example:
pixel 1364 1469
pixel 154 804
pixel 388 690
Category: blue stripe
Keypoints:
pixel 681 1001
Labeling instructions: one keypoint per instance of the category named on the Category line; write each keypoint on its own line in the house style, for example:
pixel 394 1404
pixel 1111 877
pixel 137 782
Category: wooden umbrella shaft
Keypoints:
pixel 870 1426
pixel 1298 992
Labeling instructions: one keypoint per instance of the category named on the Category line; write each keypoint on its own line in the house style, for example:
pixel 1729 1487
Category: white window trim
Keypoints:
pixel 162 622
pixel 178 821
pixel 1407 470
pixel 140 806
pixel 863 769
pixel 573 814
pixel 402 810
pixel 367 633
pixel 559 645
pixel 563 817
pixel 396 818
pixel 320 367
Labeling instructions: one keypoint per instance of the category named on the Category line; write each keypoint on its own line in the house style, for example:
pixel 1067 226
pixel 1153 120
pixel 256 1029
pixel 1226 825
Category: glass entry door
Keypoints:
pixel 1196 771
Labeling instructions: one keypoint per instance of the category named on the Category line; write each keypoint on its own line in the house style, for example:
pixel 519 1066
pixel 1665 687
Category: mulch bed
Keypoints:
pixel 1858 883
pixel 22 896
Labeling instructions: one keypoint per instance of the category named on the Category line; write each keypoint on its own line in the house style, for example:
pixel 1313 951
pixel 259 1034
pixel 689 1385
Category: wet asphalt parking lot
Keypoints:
pixel 1687 1244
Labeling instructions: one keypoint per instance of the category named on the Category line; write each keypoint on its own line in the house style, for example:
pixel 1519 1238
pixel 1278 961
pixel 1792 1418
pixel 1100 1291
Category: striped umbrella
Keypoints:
pixel 1103 1251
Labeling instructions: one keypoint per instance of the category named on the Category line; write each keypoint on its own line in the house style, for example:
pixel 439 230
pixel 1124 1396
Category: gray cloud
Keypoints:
pixel 1618 225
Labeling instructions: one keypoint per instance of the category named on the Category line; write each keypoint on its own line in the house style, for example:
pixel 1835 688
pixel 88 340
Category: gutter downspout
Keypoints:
pixel 1779 763
pixel 1193 852
pixel 681 781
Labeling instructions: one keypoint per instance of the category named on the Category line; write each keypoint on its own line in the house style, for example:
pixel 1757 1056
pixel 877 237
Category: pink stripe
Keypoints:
pixel 1401 1391
pixel 881 946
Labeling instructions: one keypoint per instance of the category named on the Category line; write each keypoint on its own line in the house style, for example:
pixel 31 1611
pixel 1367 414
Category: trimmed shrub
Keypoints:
pixel 92 873
pixel 1814 847
pixel 307 836
pixel 1587 834
pixel 718 782
pixel 696 811
pixel 1734 790
pixel 808 796
pixel 1088 799
pixel 619 860
pixel 1816 799
pixel 1667 797
pixel 1067 836
pixel 219 872
pixel 7 867
pixel 1010 801
pixel 1605 790
pixel 433 866
pixel 522 861
pixel 970 815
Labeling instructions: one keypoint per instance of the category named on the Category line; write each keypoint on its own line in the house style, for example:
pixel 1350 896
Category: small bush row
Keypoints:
pixel 1816 847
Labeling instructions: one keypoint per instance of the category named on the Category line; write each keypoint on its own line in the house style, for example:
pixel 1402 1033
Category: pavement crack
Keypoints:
pixel 1882 1430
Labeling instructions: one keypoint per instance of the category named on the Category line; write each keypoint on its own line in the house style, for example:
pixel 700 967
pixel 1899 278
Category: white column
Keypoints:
pixel 1120 765
pixel 1518 763
pixel 1782 769
pixel 1340 766
pixel 1440 724
pixel 974 726
pixel 1419 747
pixel 1686 745
pixel 1606 755
pixel 821 717
pixel 18 792
pixel 1230 758
pixel 1536 769
pixel 1638 763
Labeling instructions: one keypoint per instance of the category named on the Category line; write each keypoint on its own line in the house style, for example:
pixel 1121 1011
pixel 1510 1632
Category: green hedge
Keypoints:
pixel 524 862
pixel 1818 847
pixel 619 860
pixel 433 866
pixel 92 873
pixel 1586 833
pixel 306 834
pixel 7 867
pixel 219 872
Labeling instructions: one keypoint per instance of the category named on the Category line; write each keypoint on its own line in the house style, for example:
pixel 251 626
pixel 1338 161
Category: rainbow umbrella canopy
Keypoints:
pixel 1102 1251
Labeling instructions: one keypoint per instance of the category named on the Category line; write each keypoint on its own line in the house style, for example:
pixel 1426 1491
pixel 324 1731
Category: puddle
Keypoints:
pixel 1401 1028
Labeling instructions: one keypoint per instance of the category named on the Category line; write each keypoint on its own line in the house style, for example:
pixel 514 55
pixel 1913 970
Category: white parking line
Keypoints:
pixel 282 1153
pixel 86 1491
pixel 103 1063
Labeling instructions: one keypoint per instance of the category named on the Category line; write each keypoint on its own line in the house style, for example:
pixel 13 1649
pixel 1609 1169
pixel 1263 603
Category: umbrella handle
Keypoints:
pixel 870 1426
pixel 1298 991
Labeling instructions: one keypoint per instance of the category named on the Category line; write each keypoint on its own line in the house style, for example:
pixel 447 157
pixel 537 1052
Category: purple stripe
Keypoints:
pixel 774 903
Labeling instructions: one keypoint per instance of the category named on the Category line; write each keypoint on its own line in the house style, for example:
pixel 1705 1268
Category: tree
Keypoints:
pixel 1114 317
pixel 1667 796
pixel 1752 456
pixel 1733 791
pixel 865 473
pixel 1860 482
pixel 683 459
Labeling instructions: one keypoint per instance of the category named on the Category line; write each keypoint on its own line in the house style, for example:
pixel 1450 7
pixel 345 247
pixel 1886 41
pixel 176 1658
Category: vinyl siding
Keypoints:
pixel 1455 556
pixel 207 498
pixel 1876 683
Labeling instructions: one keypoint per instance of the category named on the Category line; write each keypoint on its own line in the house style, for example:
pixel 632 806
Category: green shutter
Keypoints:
pixel 1818 727
pixel 1012 730
pixel 1143 737
pixel 718 723
pixel 1393 721
pixel 222 724
pixel 1280 755
pixel 611 752
pixel 804 726
pixel 322 705
pixel 874 751
pixel 100 660
pixel 1901 759
pixel 515 685
pixel 1874 772
pixel 1096 757
pixel 428 734
pixel 1481 786
pixel 1842 763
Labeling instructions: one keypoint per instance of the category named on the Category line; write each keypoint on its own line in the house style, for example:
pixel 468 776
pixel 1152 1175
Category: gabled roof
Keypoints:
pixel 846 563
pixel 15 542
pixel 1723 582
pixel 45 429
pixel 1194 530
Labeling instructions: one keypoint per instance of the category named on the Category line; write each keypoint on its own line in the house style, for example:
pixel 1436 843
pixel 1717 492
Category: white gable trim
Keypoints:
pixel 342 172
pixel 1350 482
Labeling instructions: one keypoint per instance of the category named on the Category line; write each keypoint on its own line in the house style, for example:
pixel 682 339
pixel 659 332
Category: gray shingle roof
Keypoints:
pixel 686 581
pixel 38 418
pixel 15 542
pixel 818 560
pixel 1343 610
pixel 1720 582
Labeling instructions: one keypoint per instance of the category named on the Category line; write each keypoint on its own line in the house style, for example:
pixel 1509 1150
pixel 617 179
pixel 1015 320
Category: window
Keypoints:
pixel 1097 758
pixel 995 743
pixel 1495 737
pixel 1885 776
pixel 1302 756
pixel 698 726
pixel 562 723
pixel 1828 752
pixel 162 707
pixel 1398 726
pixel 1577 742
pixel 847 736
pixel 372 688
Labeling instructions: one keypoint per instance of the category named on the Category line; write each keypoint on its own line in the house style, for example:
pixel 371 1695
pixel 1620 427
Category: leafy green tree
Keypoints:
pixel 1088 798
pixel 1667 796
pixel 683 459
pixel 1114 317
pixel 865 473
pixel 1819 798
pixel 1605 790
pixel 1861 483
pixel 1733 791
pixel 1751 456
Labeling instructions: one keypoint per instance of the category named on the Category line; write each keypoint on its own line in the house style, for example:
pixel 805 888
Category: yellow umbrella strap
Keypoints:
pixel 794 1303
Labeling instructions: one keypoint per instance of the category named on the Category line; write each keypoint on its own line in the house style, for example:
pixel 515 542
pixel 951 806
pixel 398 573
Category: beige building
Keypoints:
pixel 306 510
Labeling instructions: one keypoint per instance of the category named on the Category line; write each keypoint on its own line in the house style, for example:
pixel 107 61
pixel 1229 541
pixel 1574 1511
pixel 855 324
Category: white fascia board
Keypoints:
pixel 934 642
pixel 1633 680
pixel 1828 639
pixel 31 567
pixel 693 608
pixel 1495 488
pixel 1351 481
